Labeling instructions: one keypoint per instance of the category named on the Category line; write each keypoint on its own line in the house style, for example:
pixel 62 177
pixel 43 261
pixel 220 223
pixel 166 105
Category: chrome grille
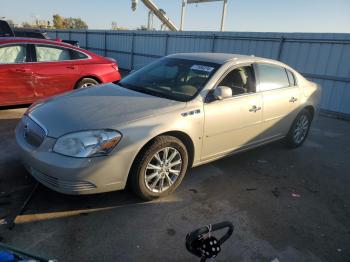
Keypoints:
pixel 32 132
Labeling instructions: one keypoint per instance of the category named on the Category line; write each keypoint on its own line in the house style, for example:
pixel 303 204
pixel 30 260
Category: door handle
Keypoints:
pixel 293 99
pixel 21 70
pixel 254 109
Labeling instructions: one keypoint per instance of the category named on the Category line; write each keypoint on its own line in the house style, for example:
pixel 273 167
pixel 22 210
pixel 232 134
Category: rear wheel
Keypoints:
pixel 300 129
pixel 86 82
pixel 160 168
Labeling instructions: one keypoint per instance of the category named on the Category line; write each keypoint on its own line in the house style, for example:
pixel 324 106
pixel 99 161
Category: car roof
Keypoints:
pixel 34 40
pixel 222 58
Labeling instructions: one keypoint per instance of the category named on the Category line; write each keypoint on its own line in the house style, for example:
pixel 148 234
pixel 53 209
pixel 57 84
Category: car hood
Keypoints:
pixel 106 106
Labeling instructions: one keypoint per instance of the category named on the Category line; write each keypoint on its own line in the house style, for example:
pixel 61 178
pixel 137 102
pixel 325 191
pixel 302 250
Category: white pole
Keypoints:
pixel 223 15
pixel 184 3
pixel 150 14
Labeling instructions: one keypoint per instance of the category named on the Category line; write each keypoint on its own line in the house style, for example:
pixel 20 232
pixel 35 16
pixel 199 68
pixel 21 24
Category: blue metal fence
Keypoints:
pixel 323 58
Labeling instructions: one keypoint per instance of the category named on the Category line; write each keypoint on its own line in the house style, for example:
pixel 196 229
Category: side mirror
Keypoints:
pixel 222 92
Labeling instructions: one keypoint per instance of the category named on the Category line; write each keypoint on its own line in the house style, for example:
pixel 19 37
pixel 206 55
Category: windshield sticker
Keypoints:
pixel 202 68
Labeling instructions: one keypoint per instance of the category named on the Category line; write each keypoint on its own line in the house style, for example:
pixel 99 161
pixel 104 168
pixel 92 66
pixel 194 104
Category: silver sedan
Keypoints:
pixel 181 111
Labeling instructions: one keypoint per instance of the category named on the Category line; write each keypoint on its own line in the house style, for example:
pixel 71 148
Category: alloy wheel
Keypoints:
pixel 301 129
pixel 163 169
pixel 87 85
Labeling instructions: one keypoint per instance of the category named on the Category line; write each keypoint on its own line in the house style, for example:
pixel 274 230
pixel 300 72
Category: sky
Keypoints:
pixel 242 15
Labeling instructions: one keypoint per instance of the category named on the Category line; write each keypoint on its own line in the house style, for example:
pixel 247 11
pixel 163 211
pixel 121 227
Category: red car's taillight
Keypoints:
pixel 115 66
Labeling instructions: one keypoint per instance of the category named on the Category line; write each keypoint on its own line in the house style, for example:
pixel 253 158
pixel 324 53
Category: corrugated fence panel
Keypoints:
pixel 152 45
pixel 119 47
pixel 63 35
pixel 79 36
pixel 52 34
pixel 323 58
pixel 189 42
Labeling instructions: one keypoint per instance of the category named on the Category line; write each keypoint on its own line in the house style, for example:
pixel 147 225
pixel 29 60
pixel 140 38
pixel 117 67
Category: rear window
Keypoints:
pixel 272 77
pixel 51 53
pixel 47 53
pixel 77 55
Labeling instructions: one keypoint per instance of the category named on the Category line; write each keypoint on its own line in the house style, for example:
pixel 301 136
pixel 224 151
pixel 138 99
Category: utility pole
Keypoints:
pixel 150 20
pixel 184 3
pixel 223 16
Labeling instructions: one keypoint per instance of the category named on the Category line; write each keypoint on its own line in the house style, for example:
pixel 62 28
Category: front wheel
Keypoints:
pixel 299 129
pixel 160 168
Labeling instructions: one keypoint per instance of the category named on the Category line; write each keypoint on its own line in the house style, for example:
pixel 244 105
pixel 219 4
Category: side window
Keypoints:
pixel 13 54
pixel 272 77
pixel 241 80
pixel 51 53
pixel 291 78
pixel 74 55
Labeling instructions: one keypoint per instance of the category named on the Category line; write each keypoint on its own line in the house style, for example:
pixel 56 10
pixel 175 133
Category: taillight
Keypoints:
pixel 115 66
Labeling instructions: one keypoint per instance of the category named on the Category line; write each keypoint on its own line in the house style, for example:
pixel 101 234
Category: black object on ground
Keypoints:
pixel 251 189
pixel 276 192
pixel 202 244
pixel 12 217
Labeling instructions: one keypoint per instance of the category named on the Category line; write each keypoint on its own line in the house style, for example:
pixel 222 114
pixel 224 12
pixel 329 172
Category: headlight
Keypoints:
pixel 87 143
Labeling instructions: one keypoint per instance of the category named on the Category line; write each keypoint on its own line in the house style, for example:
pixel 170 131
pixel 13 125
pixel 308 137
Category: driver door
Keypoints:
pixel 235 122
pixel 16 77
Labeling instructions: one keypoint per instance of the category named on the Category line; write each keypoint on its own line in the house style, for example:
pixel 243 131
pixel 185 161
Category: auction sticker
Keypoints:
pixel 202 68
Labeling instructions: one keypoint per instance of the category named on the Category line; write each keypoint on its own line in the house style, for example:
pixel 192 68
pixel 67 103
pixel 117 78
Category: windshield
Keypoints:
pixel 171 78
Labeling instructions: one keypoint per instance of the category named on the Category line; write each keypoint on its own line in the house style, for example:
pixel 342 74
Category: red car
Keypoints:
pixel 32 69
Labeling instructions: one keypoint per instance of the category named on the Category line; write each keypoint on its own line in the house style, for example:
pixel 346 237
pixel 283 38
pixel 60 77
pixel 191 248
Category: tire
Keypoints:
pixel 144 168
pixel 86 82
pixel 299 129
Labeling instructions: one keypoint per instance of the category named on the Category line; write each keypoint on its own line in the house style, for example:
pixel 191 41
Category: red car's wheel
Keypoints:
pixel 86 82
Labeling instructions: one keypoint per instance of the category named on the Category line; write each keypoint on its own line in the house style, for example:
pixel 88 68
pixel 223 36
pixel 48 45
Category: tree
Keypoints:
pixel 142 28
pixel 58 21
pixel 80 24
pixel 74 23
pixel 116 27
pixel 26 25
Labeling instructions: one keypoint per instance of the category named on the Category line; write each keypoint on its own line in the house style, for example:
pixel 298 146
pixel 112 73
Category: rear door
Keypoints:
pixel 55 70
pixel 281 98
pixel 16 78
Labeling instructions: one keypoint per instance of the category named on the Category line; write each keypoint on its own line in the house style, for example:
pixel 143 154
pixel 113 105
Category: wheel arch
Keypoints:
pixel 87 76
pixel 182 136
pixel 310 109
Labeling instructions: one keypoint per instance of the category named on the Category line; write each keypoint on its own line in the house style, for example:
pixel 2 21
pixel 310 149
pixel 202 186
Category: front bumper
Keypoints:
pixel 70 175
